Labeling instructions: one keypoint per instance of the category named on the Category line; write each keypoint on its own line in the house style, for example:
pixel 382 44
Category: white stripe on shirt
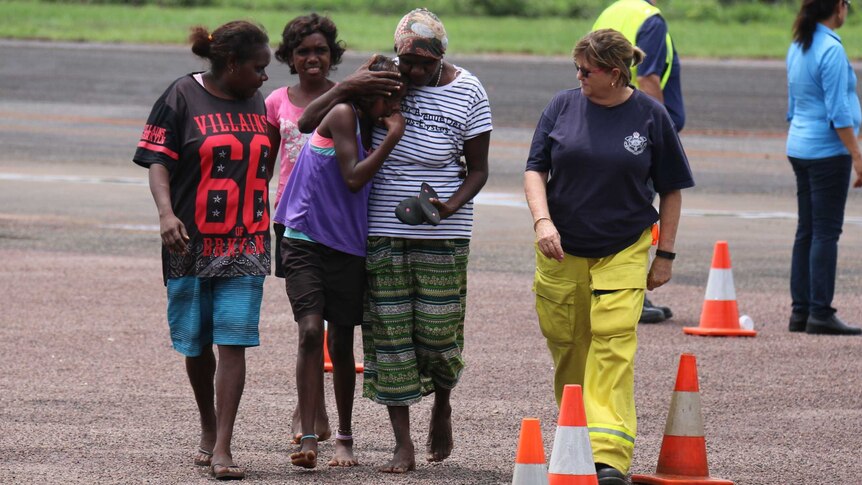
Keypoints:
pixel 438 121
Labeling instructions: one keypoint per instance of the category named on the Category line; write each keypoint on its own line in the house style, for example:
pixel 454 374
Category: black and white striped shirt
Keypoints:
pixel 438 122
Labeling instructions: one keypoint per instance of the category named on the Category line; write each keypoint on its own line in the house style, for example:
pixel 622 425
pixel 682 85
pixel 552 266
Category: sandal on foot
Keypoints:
pixel 203 458
pixel 227 472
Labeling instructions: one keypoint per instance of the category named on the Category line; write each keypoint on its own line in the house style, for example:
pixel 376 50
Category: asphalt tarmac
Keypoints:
pixel 90 389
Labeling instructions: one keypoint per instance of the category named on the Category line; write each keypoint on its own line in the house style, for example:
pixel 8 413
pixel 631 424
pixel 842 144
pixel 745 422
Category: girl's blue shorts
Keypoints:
pixel 221 311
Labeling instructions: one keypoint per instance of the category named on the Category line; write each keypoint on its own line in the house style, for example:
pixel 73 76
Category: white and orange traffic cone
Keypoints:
pixel 572 455
pixel 327 361
pixel 530 467
pixel 720 315
pixel 682 459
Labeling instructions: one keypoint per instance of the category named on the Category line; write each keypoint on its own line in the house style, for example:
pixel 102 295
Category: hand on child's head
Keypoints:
pixel 371 80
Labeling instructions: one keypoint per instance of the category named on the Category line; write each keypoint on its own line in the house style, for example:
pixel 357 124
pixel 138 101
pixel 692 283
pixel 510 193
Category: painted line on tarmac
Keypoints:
pixel 501 199
pixel 75 179
pixel 495 199
pixel 131 227
pixel 74 119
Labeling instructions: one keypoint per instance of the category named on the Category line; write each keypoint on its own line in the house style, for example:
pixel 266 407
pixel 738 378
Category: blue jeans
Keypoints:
pixel 821 192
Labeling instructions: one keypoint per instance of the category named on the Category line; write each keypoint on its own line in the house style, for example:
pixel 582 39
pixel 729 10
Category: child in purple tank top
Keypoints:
pixel 325 212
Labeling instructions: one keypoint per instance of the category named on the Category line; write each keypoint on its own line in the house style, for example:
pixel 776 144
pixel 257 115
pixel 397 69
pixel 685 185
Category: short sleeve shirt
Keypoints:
pixel 600 161
pixel 283 114
pixel 215 150
pixel 438 120
pixel 652 39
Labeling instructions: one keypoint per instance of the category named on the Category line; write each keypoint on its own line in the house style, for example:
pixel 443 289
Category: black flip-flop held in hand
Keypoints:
pixel 429 211
pixel 409 212
pixel 415 210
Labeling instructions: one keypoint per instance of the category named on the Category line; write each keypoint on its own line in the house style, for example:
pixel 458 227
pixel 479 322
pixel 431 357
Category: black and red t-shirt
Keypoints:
pixel 214 150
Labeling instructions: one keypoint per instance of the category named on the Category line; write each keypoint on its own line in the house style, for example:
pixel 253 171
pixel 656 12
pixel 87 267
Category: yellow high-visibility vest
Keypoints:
pixel 627 16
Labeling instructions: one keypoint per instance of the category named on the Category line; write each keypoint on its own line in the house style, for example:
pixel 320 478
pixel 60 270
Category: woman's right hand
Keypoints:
pixel 174 235
pixel 549 239
pixel 363 82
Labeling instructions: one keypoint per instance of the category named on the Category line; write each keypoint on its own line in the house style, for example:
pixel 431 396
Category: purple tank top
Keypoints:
pixel 317 202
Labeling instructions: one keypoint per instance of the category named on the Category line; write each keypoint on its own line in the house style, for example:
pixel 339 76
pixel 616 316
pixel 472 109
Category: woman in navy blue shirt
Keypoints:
pixel 587 182
pixel 824 115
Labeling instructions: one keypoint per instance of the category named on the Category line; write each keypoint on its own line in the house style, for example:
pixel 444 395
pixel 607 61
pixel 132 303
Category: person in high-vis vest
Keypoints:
pixel 585 181
pixel 640 21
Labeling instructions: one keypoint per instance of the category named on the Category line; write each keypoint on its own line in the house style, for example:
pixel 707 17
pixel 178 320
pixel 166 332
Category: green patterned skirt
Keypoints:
pixel 413 329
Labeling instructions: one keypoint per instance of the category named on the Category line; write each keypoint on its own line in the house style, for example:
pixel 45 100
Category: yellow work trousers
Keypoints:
pixel 588 311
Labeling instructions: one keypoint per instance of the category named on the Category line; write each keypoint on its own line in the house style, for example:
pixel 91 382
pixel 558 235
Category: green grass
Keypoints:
pixel 367 32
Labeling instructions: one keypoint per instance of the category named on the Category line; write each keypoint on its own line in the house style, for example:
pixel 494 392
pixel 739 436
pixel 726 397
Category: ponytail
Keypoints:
pixel 200 39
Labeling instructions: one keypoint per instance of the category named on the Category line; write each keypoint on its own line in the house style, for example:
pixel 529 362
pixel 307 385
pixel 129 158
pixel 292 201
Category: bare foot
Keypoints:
pixel 440 442
pixel 296 426
pixel 306 457
pixel 343 454
pixel 321 425
pixel 404 460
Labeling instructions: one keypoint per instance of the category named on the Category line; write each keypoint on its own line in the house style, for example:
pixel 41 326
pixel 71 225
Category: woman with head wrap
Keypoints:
pixel 413 331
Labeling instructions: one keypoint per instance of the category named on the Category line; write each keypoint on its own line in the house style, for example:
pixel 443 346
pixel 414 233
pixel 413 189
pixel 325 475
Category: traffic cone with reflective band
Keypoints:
pixel 720 315
pixel 572 456
pixel 327 361
pixel 682 459
pixel 530 467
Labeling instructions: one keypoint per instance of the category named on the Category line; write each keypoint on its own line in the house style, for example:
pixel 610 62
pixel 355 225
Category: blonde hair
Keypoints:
pixel 609 49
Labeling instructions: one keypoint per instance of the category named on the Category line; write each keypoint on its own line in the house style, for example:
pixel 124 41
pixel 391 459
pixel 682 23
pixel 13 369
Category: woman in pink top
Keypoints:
pixel 310 47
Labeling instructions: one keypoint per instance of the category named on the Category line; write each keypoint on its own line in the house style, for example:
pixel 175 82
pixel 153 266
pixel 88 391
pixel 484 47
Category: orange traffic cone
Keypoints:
pixel 327 361
pixel 572 456
pixel 720 316
pixel 682 459
pixel 530 468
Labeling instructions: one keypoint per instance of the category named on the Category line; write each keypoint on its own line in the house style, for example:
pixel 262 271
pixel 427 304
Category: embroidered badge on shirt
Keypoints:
pixel 636 144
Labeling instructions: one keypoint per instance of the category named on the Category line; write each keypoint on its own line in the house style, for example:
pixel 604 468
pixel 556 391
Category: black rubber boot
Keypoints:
pixel 652 314
pixel 609 475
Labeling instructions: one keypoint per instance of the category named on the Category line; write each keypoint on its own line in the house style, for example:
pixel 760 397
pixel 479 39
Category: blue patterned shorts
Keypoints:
pixel 221 311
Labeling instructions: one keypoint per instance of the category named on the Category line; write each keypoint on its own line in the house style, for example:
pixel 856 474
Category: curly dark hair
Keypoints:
pixel 301 27
pixel 238 38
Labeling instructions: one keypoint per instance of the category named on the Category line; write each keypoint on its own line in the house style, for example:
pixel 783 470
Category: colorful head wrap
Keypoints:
pixel 420 32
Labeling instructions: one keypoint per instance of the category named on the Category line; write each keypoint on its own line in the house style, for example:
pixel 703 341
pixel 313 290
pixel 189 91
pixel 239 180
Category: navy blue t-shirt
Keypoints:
pixel 651 39
pixel 600 161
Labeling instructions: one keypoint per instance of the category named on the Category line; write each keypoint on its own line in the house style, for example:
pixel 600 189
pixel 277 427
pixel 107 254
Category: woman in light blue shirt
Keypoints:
pixel 824 115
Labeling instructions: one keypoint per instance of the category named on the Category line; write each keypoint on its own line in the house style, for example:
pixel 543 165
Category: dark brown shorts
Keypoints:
pixel 278 229
pixel 323 281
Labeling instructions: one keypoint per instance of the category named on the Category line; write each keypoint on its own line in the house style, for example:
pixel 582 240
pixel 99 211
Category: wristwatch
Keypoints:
pixel 665 254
